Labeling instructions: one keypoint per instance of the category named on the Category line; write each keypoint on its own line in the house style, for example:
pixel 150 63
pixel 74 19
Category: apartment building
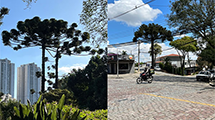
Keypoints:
pixel 7 76
pixel 27 80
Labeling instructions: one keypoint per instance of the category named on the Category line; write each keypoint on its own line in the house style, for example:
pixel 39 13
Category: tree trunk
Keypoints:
pixel 181 61
pixel 182 66
pixel 152 46
pixel 56 68
pixel 188 59
pixel 43 68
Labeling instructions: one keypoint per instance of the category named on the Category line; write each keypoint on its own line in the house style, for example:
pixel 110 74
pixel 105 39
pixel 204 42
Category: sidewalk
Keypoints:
pixel 135 75
pixel 121 76
pixel 169 74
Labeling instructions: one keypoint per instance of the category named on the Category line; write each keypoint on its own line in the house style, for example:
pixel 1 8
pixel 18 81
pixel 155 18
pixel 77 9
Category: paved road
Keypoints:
pixel 166 98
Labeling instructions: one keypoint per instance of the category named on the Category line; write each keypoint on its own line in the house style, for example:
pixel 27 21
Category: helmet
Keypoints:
pixel 146 69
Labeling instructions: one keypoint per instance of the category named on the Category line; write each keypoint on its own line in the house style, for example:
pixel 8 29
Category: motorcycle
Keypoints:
pixel 144 77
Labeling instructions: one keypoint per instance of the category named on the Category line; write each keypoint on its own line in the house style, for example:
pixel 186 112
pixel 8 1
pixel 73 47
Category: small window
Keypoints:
pixel 201 72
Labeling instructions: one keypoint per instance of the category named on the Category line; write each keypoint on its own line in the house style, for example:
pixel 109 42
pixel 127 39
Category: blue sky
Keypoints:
pixel 67 10
pixel 122 29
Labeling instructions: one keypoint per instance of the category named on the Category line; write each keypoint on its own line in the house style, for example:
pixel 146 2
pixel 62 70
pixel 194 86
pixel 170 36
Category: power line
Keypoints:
pixel 121 44
pixel 130 10
pixel 133 43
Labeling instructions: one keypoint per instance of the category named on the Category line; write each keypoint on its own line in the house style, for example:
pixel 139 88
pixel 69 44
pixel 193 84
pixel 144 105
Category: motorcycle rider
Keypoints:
pixel 151 71
pixel 145 75
pixel 146 72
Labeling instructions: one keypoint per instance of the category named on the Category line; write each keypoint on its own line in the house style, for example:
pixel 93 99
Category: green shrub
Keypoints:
pixel 6 109
pixel 168 68
pixel 55 95
pixel 96 115
pixel 161 65
pixel 42 110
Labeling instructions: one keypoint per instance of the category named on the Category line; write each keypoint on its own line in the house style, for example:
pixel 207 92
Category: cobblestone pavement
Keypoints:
pixel 166 98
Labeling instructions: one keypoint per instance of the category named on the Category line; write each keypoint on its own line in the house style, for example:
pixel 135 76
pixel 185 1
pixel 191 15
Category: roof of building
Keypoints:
pixel 112 54
pixel 158 61
pixel 169 55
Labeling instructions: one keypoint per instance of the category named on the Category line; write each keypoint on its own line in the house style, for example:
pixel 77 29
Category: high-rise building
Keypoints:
pixel 7 76
pixel 27 80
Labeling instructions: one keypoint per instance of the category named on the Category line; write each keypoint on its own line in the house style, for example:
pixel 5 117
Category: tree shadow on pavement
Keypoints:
pixel 208 88
pixel 145 82
pixel 176 79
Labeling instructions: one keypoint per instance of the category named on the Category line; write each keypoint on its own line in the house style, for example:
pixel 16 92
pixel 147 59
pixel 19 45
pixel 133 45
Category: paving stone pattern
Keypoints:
pixel 127 99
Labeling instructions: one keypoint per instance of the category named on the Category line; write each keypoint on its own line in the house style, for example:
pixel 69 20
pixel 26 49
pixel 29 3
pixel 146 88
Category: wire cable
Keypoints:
pixel 130 10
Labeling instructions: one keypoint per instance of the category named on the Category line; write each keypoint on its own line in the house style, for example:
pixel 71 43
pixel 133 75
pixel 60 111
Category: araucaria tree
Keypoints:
pixel 183 46
pixel 93 17
pixel 48 33
pixel 157 50
pixel 151 34
pixel 196 17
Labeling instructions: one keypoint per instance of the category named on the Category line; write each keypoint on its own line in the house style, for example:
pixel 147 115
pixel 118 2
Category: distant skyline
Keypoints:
pixel 27 80
pixel 7 77
pixel 121 29
pixel 66 10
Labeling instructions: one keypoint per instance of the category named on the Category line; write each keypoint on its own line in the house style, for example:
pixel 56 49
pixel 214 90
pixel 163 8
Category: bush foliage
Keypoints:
pixel 55 95
pixel 170 69
pixel 90 85
pixel 42 110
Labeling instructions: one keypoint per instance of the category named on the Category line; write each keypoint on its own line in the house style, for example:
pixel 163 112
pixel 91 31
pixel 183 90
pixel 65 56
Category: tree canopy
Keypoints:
pixel 151 34
pixel 208 55
pixel 4 11
pixel 194 16
pixel 90 85
pixel 124 52
pixel 94 18
pixel 202 63
pixel 184 45
pixel 157 50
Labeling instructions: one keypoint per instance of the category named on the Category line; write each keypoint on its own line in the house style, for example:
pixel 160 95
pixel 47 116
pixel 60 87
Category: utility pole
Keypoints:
pixel 117 64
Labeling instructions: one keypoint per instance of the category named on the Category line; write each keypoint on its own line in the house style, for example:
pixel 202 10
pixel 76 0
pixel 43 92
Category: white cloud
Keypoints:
pixel 144 48
pixel 135 17
pixel 180 36
pixel 70 68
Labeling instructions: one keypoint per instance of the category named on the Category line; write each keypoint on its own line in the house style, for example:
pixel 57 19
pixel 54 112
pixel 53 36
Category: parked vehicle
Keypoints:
pixel 213 74
pixel 144 77
pixel 212 81
pixel 157 68
pixel 204 75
